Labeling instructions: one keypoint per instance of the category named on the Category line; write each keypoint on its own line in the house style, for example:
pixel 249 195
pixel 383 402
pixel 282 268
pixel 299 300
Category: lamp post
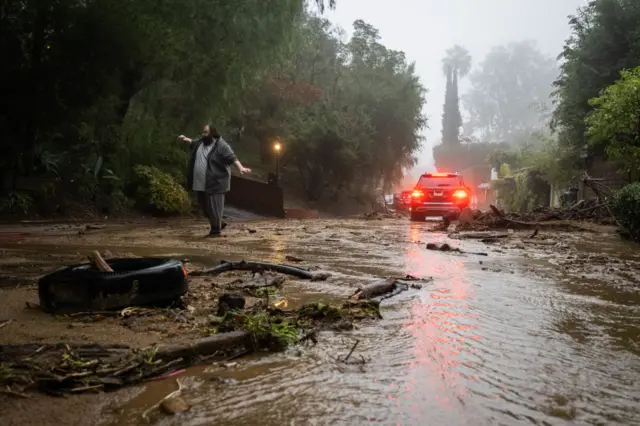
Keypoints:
pixel 277 147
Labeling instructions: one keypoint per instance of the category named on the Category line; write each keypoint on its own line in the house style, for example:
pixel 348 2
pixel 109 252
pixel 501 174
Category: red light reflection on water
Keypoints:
pixel 441 326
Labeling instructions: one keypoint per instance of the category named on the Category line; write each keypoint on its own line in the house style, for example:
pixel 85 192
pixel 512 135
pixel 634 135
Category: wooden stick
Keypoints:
pixel 351 351
pixel 204 346
pixel 259 267
pixel 99 263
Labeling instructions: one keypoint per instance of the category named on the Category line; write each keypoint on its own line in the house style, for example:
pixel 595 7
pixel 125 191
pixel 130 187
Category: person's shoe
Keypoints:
pixel 213 235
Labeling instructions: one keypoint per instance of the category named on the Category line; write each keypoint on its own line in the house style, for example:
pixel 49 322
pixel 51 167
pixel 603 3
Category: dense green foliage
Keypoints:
pixel 626 207
pixel 508 105
pixel 605 40
pixel 159 192
pixel 349 113
pixel 616 121
pixel 94 89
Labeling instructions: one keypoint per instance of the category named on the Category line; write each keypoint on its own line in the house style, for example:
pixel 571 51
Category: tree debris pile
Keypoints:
pixel 62 368
pixel 586 210
pixel 244 320
pixel 596 209
pixel 591 209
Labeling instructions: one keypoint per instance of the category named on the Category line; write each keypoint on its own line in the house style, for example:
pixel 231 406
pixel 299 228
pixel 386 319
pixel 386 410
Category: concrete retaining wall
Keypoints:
pixel 257 197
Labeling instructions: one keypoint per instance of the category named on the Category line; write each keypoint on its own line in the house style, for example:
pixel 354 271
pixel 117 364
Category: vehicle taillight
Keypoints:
pixel 417 194
pixel 460 194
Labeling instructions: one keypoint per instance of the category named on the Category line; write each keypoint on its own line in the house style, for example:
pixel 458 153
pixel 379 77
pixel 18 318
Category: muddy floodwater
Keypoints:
pixel 543 334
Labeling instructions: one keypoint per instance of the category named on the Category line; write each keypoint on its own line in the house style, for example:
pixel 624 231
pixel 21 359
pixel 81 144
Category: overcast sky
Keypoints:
pixel 425 29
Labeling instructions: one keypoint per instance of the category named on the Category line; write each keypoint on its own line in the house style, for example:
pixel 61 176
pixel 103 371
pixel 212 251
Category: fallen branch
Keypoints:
pixel 353 348
pixel 448 249
pixel 261 267
pixel 374 289
pixel 514 223
pixel 602 197
pixel 480 235
pixel 206 346
pixel 398 288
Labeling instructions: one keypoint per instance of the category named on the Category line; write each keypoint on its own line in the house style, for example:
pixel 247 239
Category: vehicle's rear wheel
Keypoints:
pixel 417 217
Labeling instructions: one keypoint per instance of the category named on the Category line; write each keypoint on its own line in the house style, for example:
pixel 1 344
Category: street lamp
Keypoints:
pixel 277 147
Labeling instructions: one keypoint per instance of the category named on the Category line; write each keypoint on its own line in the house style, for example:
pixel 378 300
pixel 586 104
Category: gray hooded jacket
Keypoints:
pixel 219 161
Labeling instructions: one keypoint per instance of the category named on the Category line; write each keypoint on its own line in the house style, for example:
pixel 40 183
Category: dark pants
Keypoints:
pixel 213 206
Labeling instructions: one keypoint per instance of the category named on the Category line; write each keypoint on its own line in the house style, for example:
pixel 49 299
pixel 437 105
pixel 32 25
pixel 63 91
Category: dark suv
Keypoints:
pixel 439 194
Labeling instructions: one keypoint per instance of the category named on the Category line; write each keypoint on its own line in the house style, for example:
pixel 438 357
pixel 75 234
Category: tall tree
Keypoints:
pixel 350 113
pixel 110 71
pixel 510 93
pixel 605 39
pixel 615 123
pixel 455 65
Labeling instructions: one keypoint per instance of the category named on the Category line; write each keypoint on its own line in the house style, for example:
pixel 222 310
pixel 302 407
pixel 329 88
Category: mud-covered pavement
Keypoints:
pixel 543 331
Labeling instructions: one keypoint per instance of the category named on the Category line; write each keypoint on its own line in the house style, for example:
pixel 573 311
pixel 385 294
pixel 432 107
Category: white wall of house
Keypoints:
pixel 555 197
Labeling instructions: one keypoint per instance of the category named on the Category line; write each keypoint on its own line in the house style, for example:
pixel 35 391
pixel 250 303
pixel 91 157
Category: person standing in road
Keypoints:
pixel 209 174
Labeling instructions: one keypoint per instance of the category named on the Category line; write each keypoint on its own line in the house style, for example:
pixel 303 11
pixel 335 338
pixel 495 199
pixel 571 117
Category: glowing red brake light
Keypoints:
pixel 460 193
pixel 417 194
pixel 439 175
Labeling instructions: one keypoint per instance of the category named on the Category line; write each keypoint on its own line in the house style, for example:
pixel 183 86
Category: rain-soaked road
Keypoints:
pixel 544 336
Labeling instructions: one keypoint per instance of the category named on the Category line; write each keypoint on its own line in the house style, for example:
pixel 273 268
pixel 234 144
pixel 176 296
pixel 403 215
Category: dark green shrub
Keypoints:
pixel 15 202
pixel 159 191
pixel 626 207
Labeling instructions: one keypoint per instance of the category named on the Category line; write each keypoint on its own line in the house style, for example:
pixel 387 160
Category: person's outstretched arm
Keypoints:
pixel 241 168
pixel 230 158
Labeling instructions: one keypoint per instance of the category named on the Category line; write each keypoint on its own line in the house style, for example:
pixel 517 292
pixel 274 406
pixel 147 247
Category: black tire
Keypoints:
pixel 417 217
pixel 134 282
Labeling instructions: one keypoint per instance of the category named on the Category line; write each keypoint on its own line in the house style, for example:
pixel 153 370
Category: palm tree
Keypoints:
pixel 457 61
pixel 455 65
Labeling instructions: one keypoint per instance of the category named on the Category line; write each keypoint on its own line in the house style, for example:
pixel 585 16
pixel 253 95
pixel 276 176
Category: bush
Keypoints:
pixel 15 203
pixel 158 191
pixel 626 207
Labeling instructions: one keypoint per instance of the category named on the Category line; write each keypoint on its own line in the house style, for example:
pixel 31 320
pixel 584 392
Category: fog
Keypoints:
pixel 425 29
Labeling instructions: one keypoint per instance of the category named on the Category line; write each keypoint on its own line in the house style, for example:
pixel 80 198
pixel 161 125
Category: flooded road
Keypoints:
pixel 543 336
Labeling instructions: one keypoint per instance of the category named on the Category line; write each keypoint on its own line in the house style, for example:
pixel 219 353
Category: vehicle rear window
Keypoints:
pixel 434 182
